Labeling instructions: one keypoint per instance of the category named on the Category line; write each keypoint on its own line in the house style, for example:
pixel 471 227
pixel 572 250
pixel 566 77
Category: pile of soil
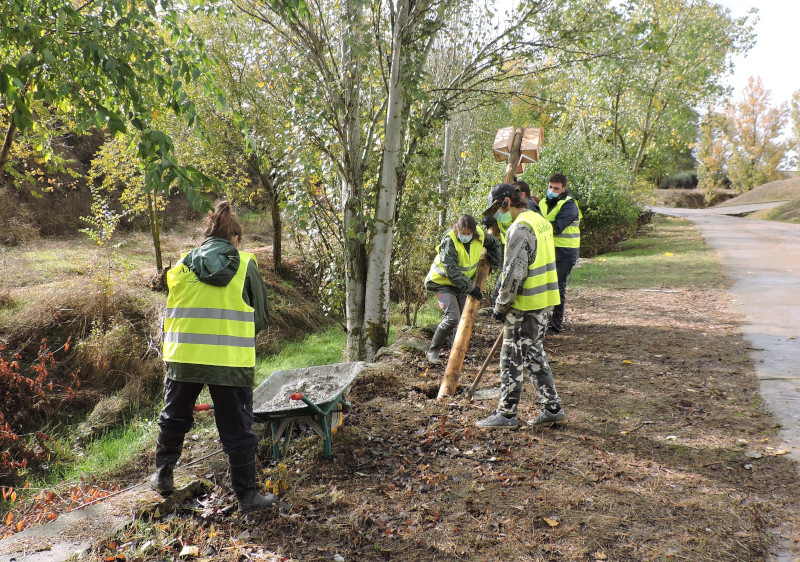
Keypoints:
pixel 666 453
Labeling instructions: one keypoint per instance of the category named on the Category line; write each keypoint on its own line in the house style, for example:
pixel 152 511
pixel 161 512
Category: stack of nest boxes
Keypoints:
pixel 530 147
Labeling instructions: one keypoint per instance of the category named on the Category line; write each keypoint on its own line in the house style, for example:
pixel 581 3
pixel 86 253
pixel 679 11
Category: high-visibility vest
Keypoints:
pixel 467 260
pixel 208 325
pixel 570 237
pixel 540 288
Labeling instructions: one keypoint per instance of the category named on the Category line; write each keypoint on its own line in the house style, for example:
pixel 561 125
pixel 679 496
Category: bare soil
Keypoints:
pixel 666 454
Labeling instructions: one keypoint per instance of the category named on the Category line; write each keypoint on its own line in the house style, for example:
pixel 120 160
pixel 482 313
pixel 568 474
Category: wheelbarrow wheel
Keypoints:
pixel 336 418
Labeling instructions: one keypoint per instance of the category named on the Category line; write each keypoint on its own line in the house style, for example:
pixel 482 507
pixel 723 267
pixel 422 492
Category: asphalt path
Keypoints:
pixel 763 259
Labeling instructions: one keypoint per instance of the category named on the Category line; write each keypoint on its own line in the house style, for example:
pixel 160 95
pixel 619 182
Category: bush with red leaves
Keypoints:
pixel 25 402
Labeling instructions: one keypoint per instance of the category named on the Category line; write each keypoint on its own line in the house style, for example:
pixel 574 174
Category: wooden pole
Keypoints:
pixel 456 360
pixel 514 156
pixel 471 390
pixel 461 341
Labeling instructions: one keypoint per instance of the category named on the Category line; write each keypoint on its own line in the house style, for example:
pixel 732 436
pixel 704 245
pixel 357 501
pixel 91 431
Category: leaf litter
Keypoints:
pixel 669 457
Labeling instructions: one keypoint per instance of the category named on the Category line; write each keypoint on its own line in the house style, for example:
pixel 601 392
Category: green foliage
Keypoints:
pixel 103 220
pixel 681 180
pixel 597 180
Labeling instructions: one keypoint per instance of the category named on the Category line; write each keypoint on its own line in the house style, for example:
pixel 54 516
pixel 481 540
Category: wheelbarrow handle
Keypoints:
pixel 309 403
pixel 203 407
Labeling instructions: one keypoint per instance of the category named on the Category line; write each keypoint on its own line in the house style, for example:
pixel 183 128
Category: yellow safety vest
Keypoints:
pixel 540 288
pixel 208 325
pixel 570 237
pixel 467 261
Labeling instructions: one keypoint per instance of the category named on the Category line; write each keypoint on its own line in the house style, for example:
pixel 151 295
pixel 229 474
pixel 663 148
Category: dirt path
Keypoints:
pixel 763 258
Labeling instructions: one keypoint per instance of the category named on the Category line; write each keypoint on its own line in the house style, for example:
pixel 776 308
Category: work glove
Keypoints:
pixel 476 293
pixel 499 316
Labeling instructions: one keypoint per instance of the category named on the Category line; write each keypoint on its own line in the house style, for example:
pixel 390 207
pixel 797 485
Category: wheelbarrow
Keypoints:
pixel 315 396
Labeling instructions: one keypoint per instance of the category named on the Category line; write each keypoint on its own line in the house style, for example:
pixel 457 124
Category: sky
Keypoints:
pixel 774 57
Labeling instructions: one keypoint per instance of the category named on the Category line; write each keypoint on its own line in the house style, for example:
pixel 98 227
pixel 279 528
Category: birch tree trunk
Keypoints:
pixel 444 176
pixel 353 224
pixel 376 311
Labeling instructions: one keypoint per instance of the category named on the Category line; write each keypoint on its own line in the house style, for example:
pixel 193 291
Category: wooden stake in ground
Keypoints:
pixel 461 341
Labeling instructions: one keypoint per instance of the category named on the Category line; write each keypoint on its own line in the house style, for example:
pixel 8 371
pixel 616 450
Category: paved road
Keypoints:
pixel 763 258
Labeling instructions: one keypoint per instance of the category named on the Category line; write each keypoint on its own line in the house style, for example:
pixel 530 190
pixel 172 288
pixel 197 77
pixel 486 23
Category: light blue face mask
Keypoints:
pixel 551 195
pixel 464 238
pixel 503 217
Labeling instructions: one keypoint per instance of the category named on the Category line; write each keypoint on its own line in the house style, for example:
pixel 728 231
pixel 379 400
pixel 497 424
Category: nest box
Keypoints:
pixel 530 148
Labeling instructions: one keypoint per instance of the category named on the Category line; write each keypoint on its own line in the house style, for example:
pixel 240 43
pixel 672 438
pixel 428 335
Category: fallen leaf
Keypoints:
pixel 188 551
pixel 668 254
pixel 600 556
pixel 626 362
pixel 781 452
pixel 551 522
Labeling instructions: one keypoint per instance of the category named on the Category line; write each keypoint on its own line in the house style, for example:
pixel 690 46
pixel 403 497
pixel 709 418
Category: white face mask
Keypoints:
pixel 464 238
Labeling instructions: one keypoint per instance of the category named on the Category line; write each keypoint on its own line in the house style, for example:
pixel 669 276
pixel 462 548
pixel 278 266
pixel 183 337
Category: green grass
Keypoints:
pixel 107 454
pixel 668 254
pixel 321 348
pixel 788 212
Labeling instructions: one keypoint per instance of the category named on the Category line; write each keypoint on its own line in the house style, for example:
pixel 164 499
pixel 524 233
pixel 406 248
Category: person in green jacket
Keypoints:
pixel 216 305
pixel 452 275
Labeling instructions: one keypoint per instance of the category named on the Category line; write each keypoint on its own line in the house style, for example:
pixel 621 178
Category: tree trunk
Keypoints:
pixel 376 310
pixel 352 200
pixel 444 176
pixel 9 140
pixel 277 229
pixel 155 231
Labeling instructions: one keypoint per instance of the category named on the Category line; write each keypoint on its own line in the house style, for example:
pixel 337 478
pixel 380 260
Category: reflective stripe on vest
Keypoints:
pixel 570 237
pixel 540 288
pixel 196 333
pixel 467 261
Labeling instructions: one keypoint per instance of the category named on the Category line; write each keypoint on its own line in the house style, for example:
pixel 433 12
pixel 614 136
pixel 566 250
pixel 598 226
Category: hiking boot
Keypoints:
pixel 433 357
pixel 546 416
pixel 551 331
pixel 498 420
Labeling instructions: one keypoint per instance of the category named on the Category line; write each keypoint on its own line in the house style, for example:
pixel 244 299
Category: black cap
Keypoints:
pixel 497 196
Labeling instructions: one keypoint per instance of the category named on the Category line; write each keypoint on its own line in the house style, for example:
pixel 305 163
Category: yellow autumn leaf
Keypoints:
pixel 668 254
pixel 626 362
pixel 551 522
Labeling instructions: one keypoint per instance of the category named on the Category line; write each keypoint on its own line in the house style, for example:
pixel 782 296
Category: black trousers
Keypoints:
pixel 565 260
pixel 233 411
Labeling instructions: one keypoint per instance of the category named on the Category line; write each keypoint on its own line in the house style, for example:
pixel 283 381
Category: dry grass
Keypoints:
pixel 781 190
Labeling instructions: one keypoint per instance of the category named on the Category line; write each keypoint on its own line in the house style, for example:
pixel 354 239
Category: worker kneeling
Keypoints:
pixel 528 292
pixel 452 275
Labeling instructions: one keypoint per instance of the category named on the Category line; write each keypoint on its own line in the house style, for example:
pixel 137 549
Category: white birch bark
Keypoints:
pixel 376 307
pixel 353 224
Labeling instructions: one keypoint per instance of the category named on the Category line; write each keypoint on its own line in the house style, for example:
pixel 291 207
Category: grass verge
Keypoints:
pixel 667 254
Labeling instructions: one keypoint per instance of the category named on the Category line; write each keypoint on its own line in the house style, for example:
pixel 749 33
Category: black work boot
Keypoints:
pixel 168 451
pixel 243 481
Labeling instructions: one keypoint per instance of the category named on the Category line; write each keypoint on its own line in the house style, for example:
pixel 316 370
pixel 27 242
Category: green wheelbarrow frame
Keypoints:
pixel 314 409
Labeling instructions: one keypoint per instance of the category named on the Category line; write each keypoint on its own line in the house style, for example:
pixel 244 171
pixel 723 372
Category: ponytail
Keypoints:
pixel 222 222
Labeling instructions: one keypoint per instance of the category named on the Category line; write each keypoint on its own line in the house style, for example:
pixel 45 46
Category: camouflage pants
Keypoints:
pixel 523 348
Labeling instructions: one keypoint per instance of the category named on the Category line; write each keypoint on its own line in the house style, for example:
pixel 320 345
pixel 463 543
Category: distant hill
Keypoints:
pixel 773 191
pixel 783 190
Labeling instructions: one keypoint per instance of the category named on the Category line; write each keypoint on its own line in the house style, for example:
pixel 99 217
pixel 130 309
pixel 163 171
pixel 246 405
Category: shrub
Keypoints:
pixel 597 180
pixel 681 180
pixel 27 402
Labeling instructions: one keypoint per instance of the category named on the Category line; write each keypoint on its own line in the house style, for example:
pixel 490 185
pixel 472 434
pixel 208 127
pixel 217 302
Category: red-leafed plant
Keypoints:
pixel 26 402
